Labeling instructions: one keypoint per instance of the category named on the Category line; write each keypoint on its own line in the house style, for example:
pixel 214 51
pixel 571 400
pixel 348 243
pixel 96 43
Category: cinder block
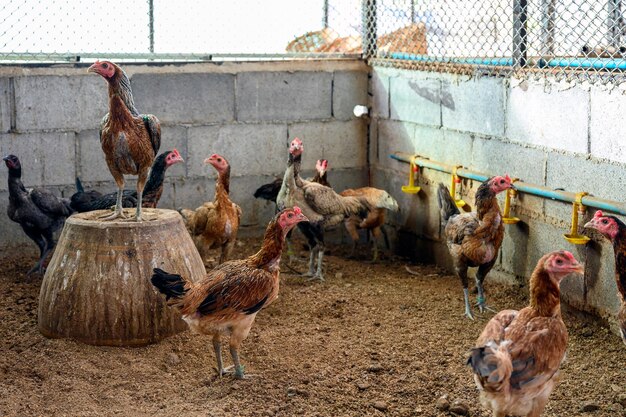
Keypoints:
pixel 349 89
pixel 415 100
pixel 186 98
pixel 475 105
pixel 553 118
pixel 29 148
pixel 606 130
pixel 283 96
pixel 60 102
pixel 5 106
pixel 498 158
pixel 443 145
pixel 379 92
pixel 395 136
pixel 576 174
pixel 92 165
pixel 59 158
pixel 342 143
pixel 251 149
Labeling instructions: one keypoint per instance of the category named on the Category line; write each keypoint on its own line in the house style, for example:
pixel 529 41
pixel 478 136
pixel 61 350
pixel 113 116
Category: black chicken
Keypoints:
pixel 37 210
pixel 90 200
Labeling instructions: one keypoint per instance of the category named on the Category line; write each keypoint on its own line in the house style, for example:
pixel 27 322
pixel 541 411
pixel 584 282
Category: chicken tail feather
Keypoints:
pixel 447 206
pixel 79 185
pixel 172 285
pixel 492 366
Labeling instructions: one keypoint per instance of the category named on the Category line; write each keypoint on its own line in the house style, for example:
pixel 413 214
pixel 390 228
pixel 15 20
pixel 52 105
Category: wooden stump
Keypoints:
pixel 97 286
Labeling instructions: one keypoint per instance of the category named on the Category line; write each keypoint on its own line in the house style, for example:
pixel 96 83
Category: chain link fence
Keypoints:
pixel 579 40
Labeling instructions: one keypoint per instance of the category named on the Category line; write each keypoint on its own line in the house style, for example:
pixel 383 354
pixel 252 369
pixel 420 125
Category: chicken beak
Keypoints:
pixel 512 187
pixel 93 68
pixel 589 225
pixel 578 268
pixel 207 161
pixel 6 158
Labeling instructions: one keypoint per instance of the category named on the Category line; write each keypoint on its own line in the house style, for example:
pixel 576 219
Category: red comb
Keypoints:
pixel 297 210
pixel 599 214
pixel 175 151
pixel 506 177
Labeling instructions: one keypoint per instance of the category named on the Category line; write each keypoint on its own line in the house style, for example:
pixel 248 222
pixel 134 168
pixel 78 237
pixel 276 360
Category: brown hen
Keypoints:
pixel 228 298
pixel 474 239
pixel 615 230
pixel 130 140
pixel 517 356
pixel 215 224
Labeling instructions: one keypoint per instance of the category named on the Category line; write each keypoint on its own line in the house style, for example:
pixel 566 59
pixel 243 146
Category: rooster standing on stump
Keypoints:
pixel 130 140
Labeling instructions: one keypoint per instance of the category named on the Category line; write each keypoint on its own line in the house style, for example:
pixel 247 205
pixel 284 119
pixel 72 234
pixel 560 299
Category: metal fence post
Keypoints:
pixel 325 15
pixel 615 23
pixel 151 24
pixel 368 27
pixel 520 18
pixel 548 14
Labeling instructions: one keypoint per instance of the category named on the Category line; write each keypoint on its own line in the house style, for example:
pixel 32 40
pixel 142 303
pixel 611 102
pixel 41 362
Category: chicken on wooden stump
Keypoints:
pixel 130 140
pixel 228 298
pixel 89 200
pixel 37 210
pixel 215 224
pixel 517 356
pixel 474 239
pixel 614 230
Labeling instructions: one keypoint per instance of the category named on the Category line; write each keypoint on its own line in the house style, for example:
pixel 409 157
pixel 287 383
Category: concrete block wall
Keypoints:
pixel 548 133
pixel 248 112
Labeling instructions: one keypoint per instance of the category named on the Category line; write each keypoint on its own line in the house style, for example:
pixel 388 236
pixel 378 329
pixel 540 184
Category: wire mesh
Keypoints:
pixel 579 40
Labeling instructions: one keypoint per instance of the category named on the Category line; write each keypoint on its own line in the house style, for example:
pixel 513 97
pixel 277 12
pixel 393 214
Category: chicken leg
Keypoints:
pixel 119 211
pixel 482 272
pixel 217 346
pixel 461 271
pixel 43 249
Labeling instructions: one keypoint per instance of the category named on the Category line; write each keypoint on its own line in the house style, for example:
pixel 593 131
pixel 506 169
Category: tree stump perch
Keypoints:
pixel 97 286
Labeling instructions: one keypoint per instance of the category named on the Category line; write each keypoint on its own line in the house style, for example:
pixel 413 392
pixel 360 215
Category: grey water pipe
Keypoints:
pixel 524 187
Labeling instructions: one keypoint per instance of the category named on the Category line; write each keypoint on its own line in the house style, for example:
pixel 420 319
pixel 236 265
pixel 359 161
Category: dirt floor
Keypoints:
pixel 371 340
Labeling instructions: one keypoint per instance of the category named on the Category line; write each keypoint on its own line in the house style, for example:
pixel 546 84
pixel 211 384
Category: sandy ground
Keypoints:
pixel 371 340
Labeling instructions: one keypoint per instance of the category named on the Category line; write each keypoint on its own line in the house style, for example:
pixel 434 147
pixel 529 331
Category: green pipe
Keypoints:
pixel 524 187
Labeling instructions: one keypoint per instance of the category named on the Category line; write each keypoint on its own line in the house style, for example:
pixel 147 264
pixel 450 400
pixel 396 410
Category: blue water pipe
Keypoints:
pixel 523 187
pixel 595 63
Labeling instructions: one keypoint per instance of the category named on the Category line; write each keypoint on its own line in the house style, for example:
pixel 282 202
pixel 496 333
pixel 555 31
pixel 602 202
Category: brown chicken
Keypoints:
pixel 373 221
pixel 517 356
pixel 474 239
pixel 130 140
pixel 215 224
pixel 229 297
pixel 614 230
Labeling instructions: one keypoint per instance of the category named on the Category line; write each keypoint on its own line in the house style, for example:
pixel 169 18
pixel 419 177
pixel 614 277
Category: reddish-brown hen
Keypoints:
pixel 517 356
pixel 615 230
pixel 130 140
pixel 228 298
pixel 474 239
pixel 373 220
pixel 215 224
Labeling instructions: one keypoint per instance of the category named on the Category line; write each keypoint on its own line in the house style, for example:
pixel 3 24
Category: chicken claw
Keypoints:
pixel 238 372
pixel 116 215
pixel 482 306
